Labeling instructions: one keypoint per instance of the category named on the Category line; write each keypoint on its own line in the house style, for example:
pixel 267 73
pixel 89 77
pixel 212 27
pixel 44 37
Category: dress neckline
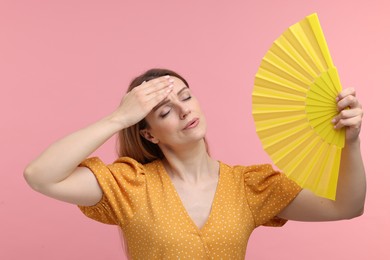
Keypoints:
pixel 181 204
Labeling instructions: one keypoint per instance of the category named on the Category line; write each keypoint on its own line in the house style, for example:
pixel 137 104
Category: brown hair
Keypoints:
pixel 130 142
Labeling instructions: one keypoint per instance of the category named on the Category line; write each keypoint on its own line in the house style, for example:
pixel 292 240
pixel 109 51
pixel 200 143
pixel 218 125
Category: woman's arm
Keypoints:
pixel 351 188
pixel 55 172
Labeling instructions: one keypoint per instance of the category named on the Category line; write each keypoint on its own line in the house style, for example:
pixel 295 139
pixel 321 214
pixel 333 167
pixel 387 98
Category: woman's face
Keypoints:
pixel 177 120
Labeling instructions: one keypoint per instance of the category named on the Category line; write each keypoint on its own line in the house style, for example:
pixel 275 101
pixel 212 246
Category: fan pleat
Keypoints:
pixel 269 84
pixel 321 90
pixel 291 149
pixel 283 62
pixel 303 82
pixel 334 77
pixel 313 46
pixel 293 103
pixel 320 39
pixel 298 163
pixel 295 42
pixel 284 45
pixel 267 130
pixel 273 78
pixel 303 169
pixel 272 140
pixel 266 92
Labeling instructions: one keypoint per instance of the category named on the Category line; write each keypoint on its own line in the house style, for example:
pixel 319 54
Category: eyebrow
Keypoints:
pixel 167 100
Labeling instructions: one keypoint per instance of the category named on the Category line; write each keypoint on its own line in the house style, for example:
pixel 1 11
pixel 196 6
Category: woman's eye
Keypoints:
pixel 187 97
pixel 165 113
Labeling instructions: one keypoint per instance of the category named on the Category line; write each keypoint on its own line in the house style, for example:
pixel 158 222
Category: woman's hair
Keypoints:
pixel 131 143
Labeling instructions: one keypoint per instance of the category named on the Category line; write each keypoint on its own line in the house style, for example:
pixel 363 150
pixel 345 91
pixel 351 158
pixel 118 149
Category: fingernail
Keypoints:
pixel 171 80
pixel 333 120
pixel 337 99
pixel 167 76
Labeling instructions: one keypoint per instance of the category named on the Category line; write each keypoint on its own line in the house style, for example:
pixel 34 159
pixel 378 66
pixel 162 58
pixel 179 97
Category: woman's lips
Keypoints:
pixel 193 123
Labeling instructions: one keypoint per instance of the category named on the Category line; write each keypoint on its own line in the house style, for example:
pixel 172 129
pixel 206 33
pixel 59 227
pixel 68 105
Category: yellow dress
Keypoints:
pixel 143 201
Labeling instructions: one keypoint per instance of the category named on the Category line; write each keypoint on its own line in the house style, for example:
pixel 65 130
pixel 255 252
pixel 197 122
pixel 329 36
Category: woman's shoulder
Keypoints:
pixel 126 164
pixel 246 169
pixel 122 166
pixel 249 174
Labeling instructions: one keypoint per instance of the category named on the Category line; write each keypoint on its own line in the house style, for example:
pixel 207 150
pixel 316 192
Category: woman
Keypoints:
pixel 169 197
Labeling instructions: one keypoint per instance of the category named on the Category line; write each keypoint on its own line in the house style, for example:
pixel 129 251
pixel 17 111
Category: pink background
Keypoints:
pixel 65 64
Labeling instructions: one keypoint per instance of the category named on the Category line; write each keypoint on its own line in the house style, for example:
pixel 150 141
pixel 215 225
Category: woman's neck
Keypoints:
pixel 191 164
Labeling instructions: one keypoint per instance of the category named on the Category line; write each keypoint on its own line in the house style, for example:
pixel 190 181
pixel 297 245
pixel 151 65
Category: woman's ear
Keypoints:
pixel 145 133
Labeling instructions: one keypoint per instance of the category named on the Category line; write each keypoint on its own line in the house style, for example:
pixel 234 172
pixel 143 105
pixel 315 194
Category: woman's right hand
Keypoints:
pixel 137 103
pixel 55 172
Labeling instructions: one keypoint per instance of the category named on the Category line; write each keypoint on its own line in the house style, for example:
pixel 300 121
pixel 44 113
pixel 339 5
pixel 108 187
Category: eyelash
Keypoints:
pixel 166 114
pixel 187 98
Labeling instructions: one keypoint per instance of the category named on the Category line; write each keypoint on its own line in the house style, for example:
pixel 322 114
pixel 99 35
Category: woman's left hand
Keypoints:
pixel 350 116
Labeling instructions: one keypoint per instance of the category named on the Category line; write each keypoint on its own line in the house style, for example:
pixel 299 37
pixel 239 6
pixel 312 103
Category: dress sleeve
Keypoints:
pixel 118 181
pixel 268 192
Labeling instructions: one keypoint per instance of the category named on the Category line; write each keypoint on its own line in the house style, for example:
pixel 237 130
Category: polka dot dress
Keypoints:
pixel 142 200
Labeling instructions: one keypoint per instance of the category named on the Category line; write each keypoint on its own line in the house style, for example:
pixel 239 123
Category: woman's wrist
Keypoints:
pixel 353 144
pixel 116 122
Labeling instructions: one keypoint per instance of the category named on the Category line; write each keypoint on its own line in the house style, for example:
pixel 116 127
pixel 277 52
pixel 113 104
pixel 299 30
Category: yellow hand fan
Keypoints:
pixel 293 103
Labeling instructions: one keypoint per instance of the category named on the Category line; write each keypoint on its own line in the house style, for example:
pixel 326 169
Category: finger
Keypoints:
pixel 346 92
pixel 350 122
pixel 349 101
pixel 157 97
pixel 156 84
pixel 348 113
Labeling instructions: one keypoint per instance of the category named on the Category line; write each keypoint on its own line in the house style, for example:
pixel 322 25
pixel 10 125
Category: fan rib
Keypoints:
pixel 279 127
pixel 320 38
pixel 290 63
pixel 306 45
pixel 283 43
pixel 279 70
pixel 303 172
pixel 278 88
pixel 294 41
pixel 291 149
pixel 313 46
pixel 266 92
pixel 273 79
pixel 275 139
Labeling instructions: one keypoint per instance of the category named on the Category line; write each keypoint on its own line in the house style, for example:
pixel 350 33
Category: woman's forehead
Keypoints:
pixel 178 82
pixel 178 87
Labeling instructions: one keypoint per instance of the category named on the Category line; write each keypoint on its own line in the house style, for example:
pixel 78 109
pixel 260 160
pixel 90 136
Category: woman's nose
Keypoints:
pixel 185 111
